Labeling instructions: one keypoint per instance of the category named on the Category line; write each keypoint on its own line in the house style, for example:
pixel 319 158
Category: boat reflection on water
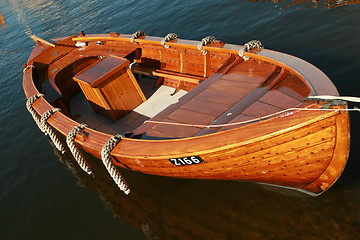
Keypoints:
pixel 169 208
pixel 3 24
pixel 304 4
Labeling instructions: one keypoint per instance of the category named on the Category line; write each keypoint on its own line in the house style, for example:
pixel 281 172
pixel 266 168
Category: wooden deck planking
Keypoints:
pixel 293 87
pixel 260 109
pixel 215 96
pixel 51 54
pixel 250 71
pixel 173 130
pixel 227 92
pixel 190 117
pixel 240 118
pixel 279 99
pixel 225 85
pixel 205 107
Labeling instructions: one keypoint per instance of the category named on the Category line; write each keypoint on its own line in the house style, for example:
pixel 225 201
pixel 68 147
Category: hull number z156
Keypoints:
pixel 186 160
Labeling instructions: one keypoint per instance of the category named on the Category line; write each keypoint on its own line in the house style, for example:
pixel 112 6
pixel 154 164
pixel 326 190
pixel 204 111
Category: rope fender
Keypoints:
pixel 70 141
pixel 29 102
pixel 110 166
pixel 205 41
pixel 136 35
pixel 249 46
pixel 48 130
pixel 169 37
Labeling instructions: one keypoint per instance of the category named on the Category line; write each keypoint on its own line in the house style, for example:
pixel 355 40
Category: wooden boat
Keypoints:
pixel 190 109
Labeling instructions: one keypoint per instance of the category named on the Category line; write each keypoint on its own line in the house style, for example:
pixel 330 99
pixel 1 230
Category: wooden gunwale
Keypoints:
pixel 135 152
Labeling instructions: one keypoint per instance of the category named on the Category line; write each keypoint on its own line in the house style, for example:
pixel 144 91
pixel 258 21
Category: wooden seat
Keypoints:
pixel 181 78
pixel 53 54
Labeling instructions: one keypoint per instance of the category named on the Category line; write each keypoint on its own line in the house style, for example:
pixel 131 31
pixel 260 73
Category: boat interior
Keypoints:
pixel 122 88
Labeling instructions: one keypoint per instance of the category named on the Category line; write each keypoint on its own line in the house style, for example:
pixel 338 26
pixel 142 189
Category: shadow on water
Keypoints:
pixel 168 208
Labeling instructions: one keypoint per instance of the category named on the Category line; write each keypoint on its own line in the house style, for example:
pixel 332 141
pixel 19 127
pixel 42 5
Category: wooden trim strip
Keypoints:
pixel 177 76
pixel 37 39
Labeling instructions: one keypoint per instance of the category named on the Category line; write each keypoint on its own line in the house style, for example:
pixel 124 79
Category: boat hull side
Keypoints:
pixel 339 158
pixel 298 157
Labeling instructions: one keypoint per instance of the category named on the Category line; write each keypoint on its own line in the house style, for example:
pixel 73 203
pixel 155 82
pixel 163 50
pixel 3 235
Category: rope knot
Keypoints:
pixel 110 166
pixel 48 130
pixel 249 46
pixel 205 41
pixel 70 140
pixel 169 37
pixel 136 35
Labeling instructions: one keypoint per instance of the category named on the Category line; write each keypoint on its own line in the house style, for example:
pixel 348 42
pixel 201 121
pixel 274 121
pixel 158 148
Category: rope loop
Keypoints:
pixel 169 37
pixel 70 141
pixel 249 46
pixel 27 67
pixel 136 35
pixel 205 41
pixel 48 130
pixel 110 166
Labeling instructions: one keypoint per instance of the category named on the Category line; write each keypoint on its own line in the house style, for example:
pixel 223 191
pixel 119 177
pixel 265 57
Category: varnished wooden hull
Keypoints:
pixel 301 149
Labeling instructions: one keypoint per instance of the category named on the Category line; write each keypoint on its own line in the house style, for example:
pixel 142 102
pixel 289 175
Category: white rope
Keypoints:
pixel 48 130
pixel 70 141
pixel 27 67
pixel 110 166
pixel 247 121
pixel 328 97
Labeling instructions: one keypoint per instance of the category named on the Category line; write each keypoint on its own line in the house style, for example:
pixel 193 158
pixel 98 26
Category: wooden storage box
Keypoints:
pixel 110 87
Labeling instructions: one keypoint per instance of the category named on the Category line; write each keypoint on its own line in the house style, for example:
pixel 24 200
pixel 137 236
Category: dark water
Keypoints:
pixel 45 196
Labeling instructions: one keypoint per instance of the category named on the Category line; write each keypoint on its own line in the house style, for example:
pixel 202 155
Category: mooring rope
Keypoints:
pixel 249 46
pixel 110 166
pixel 48 130
pixel 326 98
pixel 251 120
pixel 70 141
pixel 169 37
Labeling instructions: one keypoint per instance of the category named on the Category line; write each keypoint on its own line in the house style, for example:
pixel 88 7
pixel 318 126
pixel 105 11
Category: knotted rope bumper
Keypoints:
pixel 110 166
pixel 205 41
pixel 70 141
pixel 249 46
pixel 48 130
pixel 136 35
pixel 30 101
pixel 169 37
